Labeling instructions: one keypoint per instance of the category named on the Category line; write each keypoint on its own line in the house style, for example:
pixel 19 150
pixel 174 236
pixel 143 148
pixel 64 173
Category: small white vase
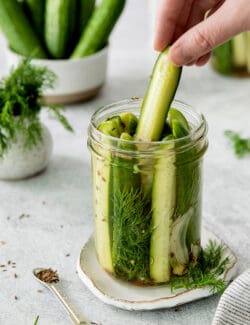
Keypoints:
pixel 20 162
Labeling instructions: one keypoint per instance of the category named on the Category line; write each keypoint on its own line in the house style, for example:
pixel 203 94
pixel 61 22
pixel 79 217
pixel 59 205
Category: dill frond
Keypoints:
pixel 207 271
pixel 21 100
pixel 131 235
pixel 240 145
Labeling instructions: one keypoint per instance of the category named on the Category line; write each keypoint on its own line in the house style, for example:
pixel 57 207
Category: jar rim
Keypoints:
pixel 199 131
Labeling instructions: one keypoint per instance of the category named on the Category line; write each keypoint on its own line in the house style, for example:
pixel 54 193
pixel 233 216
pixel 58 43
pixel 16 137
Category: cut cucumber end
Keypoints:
pixel 158 98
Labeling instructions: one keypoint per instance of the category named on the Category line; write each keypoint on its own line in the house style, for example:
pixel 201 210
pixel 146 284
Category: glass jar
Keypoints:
pixel 147 198
pixel 233 57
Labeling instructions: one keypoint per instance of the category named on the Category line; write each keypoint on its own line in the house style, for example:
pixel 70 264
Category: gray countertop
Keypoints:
pixel 59 202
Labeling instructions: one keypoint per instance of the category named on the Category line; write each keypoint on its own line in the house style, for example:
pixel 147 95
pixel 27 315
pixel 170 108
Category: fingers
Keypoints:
pixel 181 23
pixel 203 60
pixel 205 36
pixel 176 16
pixel 200 8
pixel 168 14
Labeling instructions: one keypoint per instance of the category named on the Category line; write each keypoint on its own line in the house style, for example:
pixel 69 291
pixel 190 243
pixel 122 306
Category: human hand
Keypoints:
pixel 181 23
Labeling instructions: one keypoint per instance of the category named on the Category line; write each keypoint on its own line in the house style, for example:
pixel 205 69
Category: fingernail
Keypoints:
pixel 159 44
pixel 175 56
pixel 178 57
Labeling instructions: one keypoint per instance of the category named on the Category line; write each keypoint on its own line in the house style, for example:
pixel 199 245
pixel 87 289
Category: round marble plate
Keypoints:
pixel 128 296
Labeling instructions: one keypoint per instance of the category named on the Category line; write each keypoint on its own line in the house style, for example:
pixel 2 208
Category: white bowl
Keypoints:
pixel 19 162
pixel 77 79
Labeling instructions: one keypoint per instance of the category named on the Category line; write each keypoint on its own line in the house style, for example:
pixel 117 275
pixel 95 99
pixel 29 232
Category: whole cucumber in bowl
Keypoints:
pixel 86 8
pixel 35 12
pixel 99 27
pixel 60 24
pixel 18 30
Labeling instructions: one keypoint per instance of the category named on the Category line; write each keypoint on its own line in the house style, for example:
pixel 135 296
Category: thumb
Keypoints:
pixel 202 38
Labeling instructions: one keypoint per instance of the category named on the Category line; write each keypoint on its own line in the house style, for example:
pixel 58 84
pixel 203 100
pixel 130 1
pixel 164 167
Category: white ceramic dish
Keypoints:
pixel 18 162
pixel 77 80
pixel 127 296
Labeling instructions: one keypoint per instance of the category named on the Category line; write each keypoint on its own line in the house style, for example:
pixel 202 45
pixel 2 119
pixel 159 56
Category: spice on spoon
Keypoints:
pixel 48 276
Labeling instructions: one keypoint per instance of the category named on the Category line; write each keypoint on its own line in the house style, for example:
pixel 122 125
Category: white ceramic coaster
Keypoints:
pixel 128 296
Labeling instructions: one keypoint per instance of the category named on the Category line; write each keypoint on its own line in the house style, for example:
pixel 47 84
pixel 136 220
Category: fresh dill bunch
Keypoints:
pixel 131 235
pixel 206 272
pixel 241 145
pixel 21 100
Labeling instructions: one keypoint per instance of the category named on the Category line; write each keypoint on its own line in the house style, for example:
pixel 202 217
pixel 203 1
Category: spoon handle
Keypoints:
pixel 74 315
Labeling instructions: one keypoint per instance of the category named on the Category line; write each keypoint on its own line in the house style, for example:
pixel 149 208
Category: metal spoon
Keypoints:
pixel 56 288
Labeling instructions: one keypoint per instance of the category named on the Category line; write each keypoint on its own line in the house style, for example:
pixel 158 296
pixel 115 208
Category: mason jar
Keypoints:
pixel 233 57
pixel 147 198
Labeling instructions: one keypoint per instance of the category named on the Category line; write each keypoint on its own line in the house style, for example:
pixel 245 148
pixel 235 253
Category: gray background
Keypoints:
pixel 59 201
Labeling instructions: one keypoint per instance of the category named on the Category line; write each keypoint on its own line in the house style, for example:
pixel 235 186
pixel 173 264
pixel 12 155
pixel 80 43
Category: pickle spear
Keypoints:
pixel 158 98
pixel 102 180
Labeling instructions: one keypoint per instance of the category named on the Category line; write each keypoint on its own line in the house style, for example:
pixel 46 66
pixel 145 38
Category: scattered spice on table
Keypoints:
pixel 40 291
pixel 2 243
pixel 48 276
pixel 24 215
pixel 15 276
pixel 15 297
pixel 67 255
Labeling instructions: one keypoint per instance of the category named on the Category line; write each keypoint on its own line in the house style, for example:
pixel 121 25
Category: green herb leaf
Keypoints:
pixel 206 272
pixel 36 320
pixel 21 100
pixel 131 234
pixel 241 145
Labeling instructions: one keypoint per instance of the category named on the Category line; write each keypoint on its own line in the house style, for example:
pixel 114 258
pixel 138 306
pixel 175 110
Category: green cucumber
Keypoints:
pixel 99 27
pixel 158 98
pixel 154 110
pixel 18 30
pixel 130 121
pixel 102 192
pixel 86 8
pixel 175 115
pixel 239 50
pixel 35 12
pixel 60 24
pixel 163 208
pixel 102 182
pixel 112 127
pixel 131 217
pixel 188 190
pixel 222 58
pixel 248 51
